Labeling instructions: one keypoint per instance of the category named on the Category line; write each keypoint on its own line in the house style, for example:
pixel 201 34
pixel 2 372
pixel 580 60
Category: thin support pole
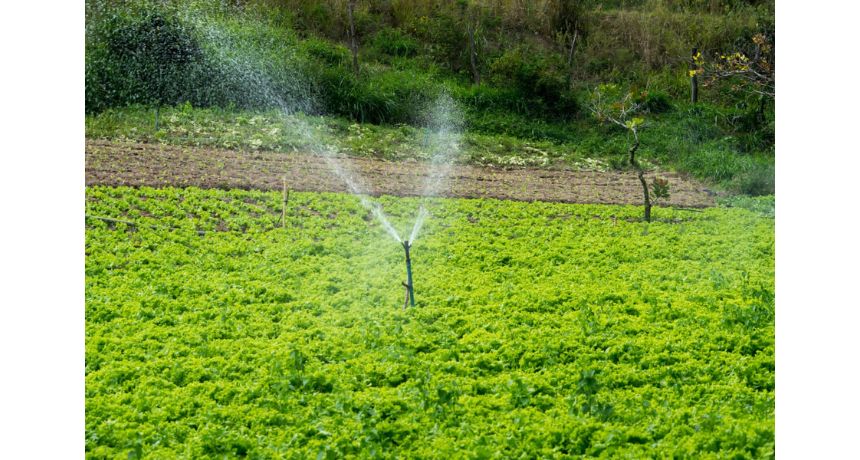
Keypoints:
pixel 284 204
pixel 409 286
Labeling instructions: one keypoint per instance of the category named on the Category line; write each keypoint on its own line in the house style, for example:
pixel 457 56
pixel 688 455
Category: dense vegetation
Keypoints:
pixel 542 330
pixel 259 55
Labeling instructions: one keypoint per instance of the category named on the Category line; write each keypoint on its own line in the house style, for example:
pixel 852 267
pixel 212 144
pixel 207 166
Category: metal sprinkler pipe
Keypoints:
pixel 406 247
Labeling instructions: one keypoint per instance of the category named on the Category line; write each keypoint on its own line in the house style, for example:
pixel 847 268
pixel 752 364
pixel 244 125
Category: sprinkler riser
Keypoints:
pixel 406 247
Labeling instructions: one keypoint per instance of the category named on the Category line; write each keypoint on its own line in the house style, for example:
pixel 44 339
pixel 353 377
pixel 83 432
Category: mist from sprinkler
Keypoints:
pixel 443 122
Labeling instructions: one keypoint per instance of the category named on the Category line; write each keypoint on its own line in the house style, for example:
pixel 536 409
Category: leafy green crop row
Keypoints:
pixel 542 330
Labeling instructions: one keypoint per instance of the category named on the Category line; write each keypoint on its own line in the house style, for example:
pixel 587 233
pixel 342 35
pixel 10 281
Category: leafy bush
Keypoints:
pixel 375 96
pixel 442 39
pixel 151 58
pixel 156 55
pixel 326 52
pixel 394 42
pixel 535 75
pixel 757 180
pixel 487 98
pixel 656 102
pixel 715 162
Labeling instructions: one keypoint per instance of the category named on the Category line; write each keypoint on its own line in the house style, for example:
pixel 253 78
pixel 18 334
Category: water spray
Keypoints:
pixel 408 285
pixel 441 137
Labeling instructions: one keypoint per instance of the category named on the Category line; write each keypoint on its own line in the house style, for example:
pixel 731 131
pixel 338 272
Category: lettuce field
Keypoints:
pixel 541 330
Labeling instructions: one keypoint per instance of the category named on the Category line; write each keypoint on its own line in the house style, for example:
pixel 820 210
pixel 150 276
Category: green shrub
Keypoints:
pixel 538 79
pixel 529 71
pixel 487 97
pixel 656 102
pixel 715 163
pixel 146 58
pixel 154 55
pixel 377 96
pixel 757 180
pixel 326 51
pixel 442 38
pixel 393 42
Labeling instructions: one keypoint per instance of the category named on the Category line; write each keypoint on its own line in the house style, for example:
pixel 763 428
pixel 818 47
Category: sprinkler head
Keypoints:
pixel 406 247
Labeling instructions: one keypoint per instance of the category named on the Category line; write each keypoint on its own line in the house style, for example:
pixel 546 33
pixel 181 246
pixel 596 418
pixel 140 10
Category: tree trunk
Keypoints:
pixel 570 58
pixel 760 113
pixel 353 45
pixel 472 56
pixel 572 47
pixel 641 174
pixel 694 81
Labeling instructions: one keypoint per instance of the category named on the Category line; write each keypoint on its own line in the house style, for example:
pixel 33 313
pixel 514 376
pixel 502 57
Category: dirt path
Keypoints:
pixel 155 165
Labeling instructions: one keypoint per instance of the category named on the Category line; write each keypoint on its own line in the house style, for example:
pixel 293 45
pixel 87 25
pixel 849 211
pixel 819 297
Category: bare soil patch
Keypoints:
pixel 156 165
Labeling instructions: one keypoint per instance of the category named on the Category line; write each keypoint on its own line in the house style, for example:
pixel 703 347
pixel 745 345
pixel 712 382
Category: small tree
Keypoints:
pixel 749 70
pixel 610 104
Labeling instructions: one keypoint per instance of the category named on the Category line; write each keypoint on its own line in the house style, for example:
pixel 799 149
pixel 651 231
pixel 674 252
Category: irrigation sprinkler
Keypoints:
pixel 408 284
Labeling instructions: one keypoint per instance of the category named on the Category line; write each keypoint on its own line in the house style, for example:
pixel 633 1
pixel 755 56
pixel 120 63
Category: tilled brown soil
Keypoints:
pixel 156 165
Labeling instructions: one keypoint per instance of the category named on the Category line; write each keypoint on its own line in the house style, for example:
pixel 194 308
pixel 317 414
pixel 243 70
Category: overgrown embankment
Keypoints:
pixel 536 64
